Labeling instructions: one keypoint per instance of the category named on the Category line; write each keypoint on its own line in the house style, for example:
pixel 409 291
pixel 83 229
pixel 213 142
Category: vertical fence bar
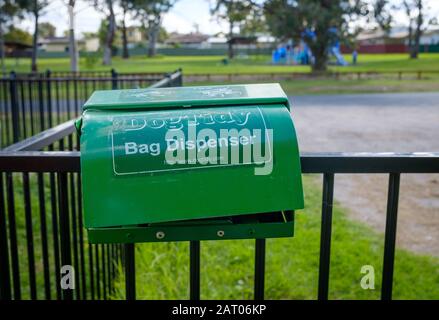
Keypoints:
pixel 130 272
pixel 43 232
pixel 194 278
pixel 74 234
pixel 390 236
pixel 14 107
pixel 5 116
pixel 81 238
pixel 75 96
pixel 54 212
pixel 23 107
pixel 113 79
pixel 64 222
pixel 109 279
pixel 259 269
pixel 49 97
pixel 325 236
pixel 104 271
pixel 98 274
pixel 31 106
pixel 29 236
pixel 41 103
pixel 5 282
pixel 91 272
pixel 13 235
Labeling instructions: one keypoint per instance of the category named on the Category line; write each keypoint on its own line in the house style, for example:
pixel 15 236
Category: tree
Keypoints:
pixel 318 22
pixel 419 21
pixel 9 9
pixel 18 35
pixel 382 14
pixel 73 49
pixel 106 6
pixel 35 8
pixel 46 30
pixel 254 24
pixel 127 6
pixel 151 12
pixel 235 13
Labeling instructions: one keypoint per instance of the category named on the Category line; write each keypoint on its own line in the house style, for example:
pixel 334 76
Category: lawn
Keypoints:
pixel 162 269
pixel 345 86
pixel 214 65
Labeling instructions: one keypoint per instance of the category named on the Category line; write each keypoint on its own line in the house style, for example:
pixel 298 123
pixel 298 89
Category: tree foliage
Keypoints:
pixel 151 13
pixel 107 7
pixel 18 35
pixel 235 13
pixel 47 30
pixel 315 22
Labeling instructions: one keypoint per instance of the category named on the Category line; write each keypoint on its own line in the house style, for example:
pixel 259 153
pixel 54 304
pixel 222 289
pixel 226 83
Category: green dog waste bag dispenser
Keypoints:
pixel 189 163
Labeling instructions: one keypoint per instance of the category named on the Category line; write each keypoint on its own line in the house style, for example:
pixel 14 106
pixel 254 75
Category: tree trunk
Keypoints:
pixel 230 52
pixel 35 38
pixel 73 50
pixel 125 53
pixel 410 39
pixel 152 35
pixel 418 32
pixel 320 59
pixel 2 49
pixel 109 38
pixel 319 48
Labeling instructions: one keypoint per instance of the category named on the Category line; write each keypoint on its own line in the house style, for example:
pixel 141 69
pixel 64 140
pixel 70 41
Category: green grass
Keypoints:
pixel 291 263
pixel 254 64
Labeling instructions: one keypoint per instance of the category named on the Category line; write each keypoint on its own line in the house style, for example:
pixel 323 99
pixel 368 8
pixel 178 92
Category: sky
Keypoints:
pixel 183 17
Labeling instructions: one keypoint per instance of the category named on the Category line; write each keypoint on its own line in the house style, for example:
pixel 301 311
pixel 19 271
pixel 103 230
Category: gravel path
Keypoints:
pixel 401 122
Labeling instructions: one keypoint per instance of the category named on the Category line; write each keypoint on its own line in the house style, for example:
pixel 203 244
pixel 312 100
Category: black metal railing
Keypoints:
pixel 27 158
pixel 41 217
pixel 33 102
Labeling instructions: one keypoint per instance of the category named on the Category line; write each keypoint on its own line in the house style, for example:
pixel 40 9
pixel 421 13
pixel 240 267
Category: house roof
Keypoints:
pixel 17 44
pixel 187 38
pixel 57 40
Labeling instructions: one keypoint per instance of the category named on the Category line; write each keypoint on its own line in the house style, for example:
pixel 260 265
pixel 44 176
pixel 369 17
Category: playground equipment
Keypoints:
pixel 300 53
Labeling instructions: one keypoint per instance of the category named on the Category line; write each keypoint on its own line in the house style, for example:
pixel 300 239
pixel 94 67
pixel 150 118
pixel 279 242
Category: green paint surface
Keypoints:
pixel 128 181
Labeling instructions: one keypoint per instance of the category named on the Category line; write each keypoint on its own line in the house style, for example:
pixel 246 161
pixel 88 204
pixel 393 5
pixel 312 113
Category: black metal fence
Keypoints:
pixel 33 102
pixel 45 171
pixel 41 226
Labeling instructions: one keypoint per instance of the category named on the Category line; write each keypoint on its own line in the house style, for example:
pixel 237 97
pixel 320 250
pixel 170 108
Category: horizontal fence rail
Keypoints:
pixel 27 158
pixel 31 103
pixel 334 75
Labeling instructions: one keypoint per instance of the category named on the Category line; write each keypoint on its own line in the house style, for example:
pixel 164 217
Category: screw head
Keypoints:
pixel 160 235
pixel 220 233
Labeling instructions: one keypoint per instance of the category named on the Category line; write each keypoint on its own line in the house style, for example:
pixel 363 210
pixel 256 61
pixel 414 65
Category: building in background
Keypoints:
pixel 58 44
pixel 396 41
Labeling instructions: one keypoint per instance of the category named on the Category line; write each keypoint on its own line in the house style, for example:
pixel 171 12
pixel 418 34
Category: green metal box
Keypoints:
pixel 189 163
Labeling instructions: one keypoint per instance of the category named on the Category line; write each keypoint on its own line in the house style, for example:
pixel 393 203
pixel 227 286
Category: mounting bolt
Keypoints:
pixel 220 233
pixel 160 235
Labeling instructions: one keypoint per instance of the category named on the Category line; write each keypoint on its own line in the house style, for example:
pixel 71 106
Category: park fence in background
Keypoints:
pixel 33 102
pixel 331 75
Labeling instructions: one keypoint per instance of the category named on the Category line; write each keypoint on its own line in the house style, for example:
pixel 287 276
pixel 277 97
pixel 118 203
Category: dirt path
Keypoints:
pixel 379 123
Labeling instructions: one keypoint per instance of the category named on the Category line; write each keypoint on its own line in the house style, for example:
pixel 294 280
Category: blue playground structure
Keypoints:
pixel 300 53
